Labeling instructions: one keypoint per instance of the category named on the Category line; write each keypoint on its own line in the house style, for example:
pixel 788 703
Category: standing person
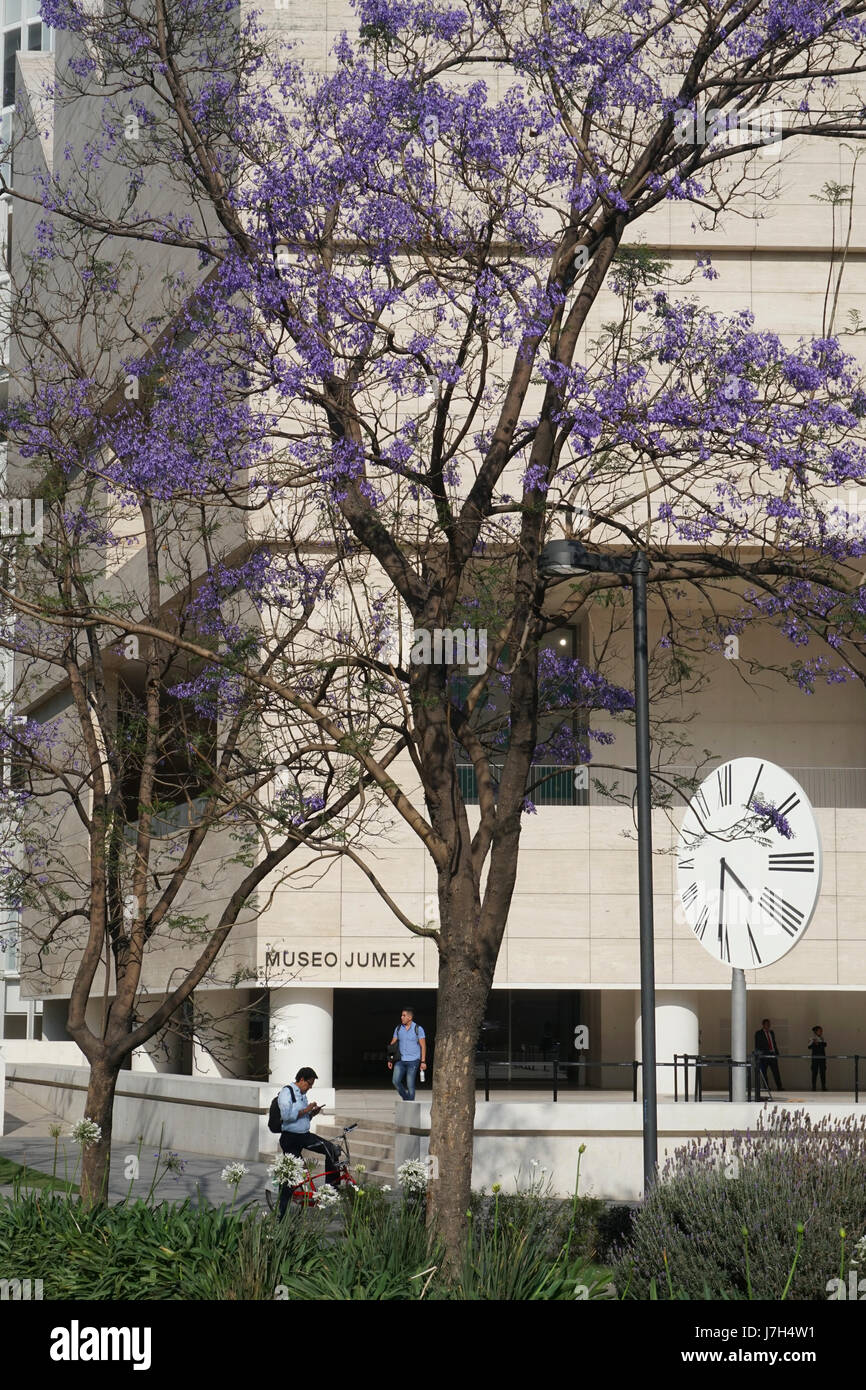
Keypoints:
pixel 818 1049
pixel 768 1052
pixel 411 1040
pixel 297 1112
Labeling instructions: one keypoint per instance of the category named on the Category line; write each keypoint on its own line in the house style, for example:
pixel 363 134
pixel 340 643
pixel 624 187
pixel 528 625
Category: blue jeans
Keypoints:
pixel 406 1071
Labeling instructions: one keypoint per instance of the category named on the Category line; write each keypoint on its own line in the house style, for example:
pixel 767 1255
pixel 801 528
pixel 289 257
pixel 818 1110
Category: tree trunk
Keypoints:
pixel 96 1158
pixel 463 991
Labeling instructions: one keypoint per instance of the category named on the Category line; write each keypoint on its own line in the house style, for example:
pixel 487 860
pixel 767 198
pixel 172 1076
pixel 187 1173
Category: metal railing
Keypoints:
pixel 558 1071
pixel 171 821
pixel 551 785
pixel 695 1063
pixel 755 1073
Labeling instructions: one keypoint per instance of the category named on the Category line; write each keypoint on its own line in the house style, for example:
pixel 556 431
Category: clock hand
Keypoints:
pixel 738 882
pixel 721 901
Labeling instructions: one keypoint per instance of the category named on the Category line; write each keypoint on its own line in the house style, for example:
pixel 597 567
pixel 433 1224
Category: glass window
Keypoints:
pixel 15 1025
pixel 34 36
pixel 11 45
pixel 6 136
pixel 9 955
pixel 37 1026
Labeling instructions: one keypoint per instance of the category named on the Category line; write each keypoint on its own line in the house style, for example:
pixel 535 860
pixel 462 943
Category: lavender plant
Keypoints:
pixel 757 1215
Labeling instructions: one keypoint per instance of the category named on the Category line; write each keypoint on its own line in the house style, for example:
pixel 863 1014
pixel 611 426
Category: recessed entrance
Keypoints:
pixel 524 1027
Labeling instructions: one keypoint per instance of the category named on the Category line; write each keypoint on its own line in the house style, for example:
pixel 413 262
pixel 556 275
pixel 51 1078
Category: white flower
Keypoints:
pixel 86 1132
pixel 326 1197
pixel 533 1163
pixel 287 1168
pixel 233 1173
pixel 386 1187
pixel 413 1176
pixel 360 1167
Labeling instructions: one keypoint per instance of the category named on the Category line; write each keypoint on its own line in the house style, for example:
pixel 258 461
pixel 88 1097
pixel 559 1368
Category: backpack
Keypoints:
pixel 275 1119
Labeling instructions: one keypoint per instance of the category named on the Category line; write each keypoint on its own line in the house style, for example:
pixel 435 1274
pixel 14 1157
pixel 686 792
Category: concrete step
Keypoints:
pixel 366 1146
pixel 371 1127
pixel 371 1145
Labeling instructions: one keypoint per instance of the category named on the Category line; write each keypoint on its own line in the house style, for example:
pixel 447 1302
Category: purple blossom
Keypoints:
pixel 772 817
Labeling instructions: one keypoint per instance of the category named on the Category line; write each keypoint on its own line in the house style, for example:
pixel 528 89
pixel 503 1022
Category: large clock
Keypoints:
pixel 748 890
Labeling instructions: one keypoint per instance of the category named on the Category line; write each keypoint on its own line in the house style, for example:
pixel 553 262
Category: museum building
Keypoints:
pixel 328 967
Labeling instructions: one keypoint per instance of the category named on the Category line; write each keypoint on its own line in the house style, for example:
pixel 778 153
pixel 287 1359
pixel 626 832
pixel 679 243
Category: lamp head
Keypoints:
pixel 567 559
pixel 562 558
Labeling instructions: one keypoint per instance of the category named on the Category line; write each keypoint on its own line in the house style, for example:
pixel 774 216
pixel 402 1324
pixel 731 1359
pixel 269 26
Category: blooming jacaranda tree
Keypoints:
pixel 380 280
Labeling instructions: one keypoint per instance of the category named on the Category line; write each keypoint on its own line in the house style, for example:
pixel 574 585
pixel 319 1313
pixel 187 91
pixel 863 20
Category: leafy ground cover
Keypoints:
pixel 14 1174
pixel 372 1248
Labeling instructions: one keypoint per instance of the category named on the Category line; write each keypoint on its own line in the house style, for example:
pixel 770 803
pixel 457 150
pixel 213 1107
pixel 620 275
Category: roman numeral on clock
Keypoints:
pixel 800 863
pixel 788 917
pixel 755 952
pixel 701 801
pixel 689 894
pixel 701 924
pixel 723 779
pixel 686 864
pixel 750 798
pixel 788 805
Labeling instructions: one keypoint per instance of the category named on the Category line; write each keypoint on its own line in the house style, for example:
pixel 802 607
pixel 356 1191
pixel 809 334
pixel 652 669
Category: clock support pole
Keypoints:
pixel 640 569
pixel 738 1032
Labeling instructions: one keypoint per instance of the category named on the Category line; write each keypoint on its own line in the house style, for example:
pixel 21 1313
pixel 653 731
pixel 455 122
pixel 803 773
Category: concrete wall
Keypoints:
pixel 34 1050
pixel 203 1115
pixel 508 1136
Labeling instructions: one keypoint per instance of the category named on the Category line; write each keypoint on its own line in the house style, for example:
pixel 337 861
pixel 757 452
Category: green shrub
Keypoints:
pixel 688 1238
pixel 365 1248
pixel 613 1226
pixel 381 1251
pixel 122 1252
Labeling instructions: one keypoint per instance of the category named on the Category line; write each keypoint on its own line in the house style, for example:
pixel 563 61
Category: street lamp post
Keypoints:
pixel 565 559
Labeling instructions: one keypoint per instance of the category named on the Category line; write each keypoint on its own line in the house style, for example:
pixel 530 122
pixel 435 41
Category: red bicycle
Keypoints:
pixel 307 1191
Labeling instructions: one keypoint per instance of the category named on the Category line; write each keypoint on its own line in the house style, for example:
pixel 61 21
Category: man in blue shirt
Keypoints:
pixel 296 1112
pixel 412 1042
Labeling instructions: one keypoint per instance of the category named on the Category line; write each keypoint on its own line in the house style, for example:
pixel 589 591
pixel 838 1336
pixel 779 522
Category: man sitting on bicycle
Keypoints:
pixel 296 1113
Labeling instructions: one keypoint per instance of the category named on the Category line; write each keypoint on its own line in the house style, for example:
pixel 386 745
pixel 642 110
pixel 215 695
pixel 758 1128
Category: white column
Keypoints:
pixel 302 1034
pixel 676 1032
pixel 54 1013
pixel 221 1043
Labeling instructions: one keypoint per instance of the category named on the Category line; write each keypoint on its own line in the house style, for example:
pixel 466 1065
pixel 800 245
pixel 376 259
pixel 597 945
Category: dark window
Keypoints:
pixel 15 1026
pixel 188 741
pixel 34 36
pixel 11 45
pixel 37 1026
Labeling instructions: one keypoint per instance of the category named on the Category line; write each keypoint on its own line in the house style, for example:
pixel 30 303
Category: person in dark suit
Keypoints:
pixel 768 1052
pixel 818 1049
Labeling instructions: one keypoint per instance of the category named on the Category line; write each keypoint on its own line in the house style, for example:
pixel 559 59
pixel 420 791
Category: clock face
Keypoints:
pixel 747 890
